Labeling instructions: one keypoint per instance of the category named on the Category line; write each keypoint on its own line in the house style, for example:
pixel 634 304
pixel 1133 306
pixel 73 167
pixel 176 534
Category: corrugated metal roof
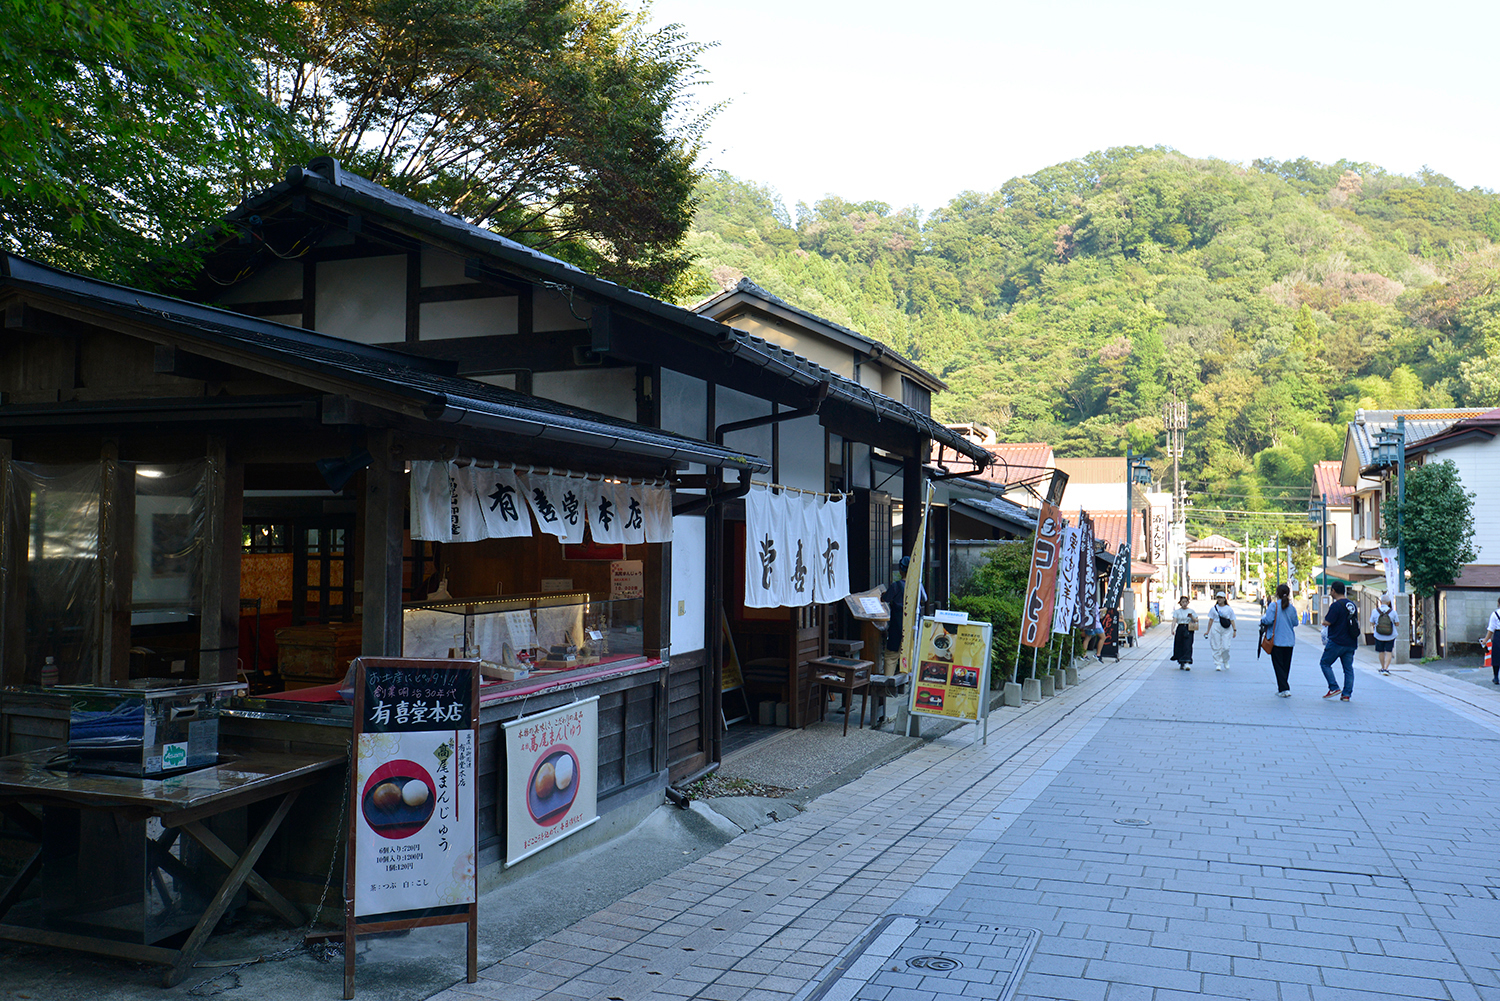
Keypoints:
pixel 1213 543
pixel 1420 424
pixel 1326 484
pixel 1101 469
pixel 393 380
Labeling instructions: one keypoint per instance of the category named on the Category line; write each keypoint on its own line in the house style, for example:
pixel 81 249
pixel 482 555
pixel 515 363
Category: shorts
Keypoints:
pixel 1096 632
pixel 1384 646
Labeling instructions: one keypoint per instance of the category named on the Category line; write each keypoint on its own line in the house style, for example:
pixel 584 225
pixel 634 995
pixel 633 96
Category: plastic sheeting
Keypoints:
pixel 56 509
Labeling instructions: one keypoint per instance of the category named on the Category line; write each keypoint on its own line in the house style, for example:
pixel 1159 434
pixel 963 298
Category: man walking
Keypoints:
pixel 1341 632
pixel 1489 640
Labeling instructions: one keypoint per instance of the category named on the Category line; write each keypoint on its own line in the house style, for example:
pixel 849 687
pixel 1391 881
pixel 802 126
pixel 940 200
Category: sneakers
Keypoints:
pixel 1285 695
pixel 1331 693
pixel 1217 668
pixel 1343 698
pixel 1386 671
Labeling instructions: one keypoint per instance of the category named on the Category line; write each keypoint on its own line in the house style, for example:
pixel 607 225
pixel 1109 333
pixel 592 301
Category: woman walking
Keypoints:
pixel 1186 621
pixel 1280 621
pixel 1383 625
pixel 1221 627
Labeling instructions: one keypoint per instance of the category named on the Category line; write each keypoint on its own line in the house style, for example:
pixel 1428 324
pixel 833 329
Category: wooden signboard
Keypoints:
pixel 413 818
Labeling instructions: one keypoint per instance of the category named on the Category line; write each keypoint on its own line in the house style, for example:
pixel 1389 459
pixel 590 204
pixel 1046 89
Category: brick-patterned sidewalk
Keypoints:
pixel 1271 848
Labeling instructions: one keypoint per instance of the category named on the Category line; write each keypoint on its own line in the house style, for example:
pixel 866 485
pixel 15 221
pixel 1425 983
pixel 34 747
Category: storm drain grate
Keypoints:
pixel 930 958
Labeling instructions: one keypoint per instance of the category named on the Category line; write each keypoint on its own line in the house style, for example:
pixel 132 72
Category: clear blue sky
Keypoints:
pixel 912 102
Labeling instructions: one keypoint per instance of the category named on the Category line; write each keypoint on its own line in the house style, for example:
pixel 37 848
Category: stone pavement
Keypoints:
pixel 1150 833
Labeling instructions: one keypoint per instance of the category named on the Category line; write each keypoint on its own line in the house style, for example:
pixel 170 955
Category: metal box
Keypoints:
pixel 145 729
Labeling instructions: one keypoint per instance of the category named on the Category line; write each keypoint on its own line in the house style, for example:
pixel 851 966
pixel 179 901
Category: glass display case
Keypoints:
pixel 526 634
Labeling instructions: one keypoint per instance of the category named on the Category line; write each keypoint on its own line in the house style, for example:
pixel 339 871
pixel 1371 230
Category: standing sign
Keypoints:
pixel 551 777
pixel 412 804
pixel 1036 613
pixel 953 671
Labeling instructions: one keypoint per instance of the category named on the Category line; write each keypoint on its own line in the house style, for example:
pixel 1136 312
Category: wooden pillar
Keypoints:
pixel 12 583
pixel 116 563
pixel 384 511
pixel 223 516
pixel 911 505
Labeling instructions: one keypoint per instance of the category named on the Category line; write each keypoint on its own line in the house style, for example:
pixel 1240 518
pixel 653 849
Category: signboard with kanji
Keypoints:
pixel 412 804
pixel 552 777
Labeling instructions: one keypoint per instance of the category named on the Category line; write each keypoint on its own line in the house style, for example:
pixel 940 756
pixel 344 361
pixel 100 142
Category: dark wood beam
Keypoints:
pixel 25 319
pixel 172 360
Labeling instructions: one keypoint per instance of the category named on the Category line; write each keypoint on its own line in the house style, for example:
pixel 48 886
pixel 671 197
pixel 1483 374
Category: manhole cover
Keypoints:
pixel 978 961
pixel 942 964
pixel 1132 821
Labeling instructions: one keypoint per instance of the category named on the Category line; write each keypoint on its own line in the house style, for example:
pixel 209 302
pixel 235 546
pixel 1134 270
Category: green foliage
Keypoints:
pixel 1066 305
pixel 995 594
pixel 560 123
pixel 1435 527
pixel 124 126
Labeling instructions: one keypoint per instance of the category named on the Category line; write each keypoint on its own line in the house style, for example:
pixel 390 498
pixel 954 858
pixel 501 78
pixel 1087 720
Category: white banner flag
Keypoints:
pixel 544 498
pixel 502 503
pixel 802 536
pixel 602 503
pixel 1392 561
pixel 765 549
pixel 632 499
pixel 658 514
pixel 833 557
pixel 429 501
pixel 466 519
pixel 1067 581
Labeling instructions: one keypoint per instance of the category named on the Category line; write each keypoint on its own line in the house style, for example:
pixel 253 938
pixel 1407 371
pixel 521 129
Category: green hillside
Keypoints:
pixel 1068 304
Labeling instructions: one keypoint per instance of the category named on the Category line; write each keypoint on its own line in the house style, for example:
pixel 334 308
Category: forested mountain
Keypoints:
pixel 1068 304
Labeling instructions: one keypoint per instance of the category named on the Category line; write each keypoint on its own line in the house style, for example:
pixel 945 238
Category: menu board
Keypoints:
pixel 552 777
pixel 953 670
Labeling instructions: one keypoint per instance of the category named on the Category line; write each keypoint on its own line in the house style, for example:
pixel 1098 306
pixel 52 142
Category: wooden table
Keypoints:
pixel 182 803
pixel 845 675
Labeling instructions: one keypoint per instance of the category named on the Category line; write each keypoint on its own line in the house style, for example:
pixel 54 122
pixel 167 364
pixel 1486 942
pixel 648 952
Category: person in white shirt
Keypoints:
pixel 1221 627
pixel 1489 639
pixel 1185 622
pixel 1383 620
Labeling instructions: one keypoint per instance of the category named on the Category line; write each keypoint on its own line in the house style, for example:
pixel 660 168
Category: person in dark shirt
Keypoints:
pixel 894 596
pixel 1341 631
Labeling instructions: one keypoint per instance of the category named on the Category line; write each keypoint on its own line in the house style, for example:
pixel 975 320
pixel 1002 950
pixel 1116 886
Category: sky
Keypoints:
pixel 914 102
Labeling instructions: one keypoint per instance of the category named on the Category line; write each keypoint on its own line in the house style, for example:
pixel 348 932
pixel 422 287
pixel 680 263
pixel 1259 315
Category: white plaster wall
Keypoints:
pixel 363 300
pixel 689 586
pixel 684 405
pixel 468 318
pixel 1092 497
pixel 736 406
pixel 1479 469
pixel 282 280
pixel 802 454
pixel 442 268
pixel 602 390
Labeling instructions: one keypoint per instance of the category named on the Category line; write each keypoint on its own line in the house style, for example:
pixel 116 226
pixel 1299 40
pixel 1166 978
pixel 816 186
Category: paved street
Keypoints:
pixel 1151 833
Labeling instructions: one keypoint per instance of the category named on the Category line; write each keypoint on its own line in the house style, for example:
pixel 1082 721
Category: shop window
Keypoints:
pixel 266 537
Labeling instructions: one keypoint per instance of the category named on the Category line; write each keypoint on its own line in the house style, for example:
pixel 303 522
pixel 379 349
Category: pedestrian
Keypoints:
pixel 1489 639
pixel 1341 632
pixel 1222 625
pixel 1094 638
pixel 1186 621
pixel 1280 622
pixel 1383 620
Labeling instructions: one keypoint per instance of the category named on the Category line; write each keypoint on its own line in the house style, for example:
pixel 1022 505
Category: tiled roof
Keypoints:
pixel 1326 484
pixel 1215 543
pixel 1482 575
pixel 1110 526
pixel 1017 462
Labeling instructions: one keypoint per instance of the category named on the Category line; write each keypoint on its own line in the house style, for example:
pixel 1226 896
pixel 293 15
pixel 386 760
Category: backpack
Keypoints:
pixel 1384 625
pixel 1352 621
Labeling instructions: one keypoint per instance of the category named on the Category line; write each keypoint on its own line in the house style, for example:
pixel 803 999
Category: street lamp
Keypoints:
pixel 1318 512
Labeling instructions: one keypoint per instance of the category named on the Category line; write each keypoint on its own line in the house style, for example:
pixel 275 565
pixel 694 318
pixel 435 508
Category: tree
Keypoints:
pixel 563 124
pixel 1435 527
pixel 122 126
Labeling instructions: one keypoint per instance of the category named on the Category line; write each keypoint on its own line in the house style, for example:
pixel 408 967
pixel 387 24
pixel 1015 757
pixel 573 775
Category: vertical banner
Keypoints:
pixel 913 595
pixel 502 504
pixel 658 514
pixel 1041 586
pixel 602 503
pixel 763 551
pixel 413 812
pixel 551 777
pixel 1118 576
pixel 1390 558
pixel 544 495
pixel 1066 603
pixel 632 500
pixel 1090 589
